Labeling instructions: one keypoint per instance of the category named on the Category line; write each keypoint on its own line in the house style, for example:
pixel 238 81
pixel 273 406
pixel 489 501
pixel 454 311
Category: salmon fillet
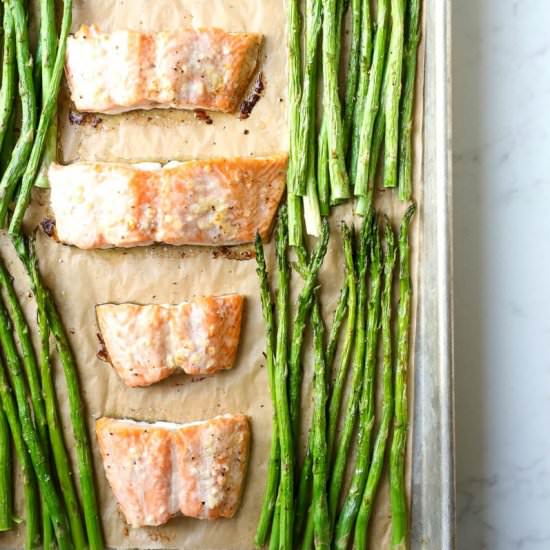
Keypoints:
pixel 201 202
pixel 159 470
pixel 185 69
pixel 147 343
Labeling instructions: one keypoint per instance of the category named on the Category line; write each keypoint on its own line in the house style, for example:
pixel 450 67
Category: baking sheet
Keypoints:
pixel 81 279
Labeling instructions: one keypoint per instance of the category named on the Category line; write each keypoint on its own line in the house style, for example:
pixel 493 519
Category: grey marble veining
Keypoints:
pixel 501 128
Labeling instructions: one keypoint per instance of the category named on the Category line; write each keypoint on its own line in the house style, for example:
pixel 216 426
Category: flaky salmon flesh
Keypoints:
pixel 184 69
pixel 147 343
pixel 159 470
pixel 201 202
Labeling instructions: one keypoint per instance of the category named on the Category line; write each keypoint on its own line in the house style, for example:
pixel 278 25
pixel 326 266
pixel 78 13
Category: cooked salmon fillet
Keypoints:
pixel 147 343
pixel 202 202
pixel 184 69
pixel 159 470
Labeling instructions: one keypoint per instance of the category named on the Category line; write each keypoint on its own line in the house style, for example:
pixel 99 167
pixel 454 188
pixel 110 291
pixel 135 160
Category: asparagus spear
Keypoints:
pixel 338 385
pixel 323 183
pixel 346 520
pixel 305 163
pixel 393 92
pixel 47 48
pixel 353 68
pixel 274 465
pixel 337 321
pixel 27 255
pixel 362 85
pixel 375 471
pixel 30 490
pixel 38 456
pixel 295 187
pixel 283 528
pixel 7 92
pixel 22 150
pixel 406 117
pixel 340 461
pixel 398 492
pixel 320 453
pixel 372 102
pixel 33 377
pixel 305 300
pixel 6 487
pixel 48 109
pixel 333 109
pixel 364 203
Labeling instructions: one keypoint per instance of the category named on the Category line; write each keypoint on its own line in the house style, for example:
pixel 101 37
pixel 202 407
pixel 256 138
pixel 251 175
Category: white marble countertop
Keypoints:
pixel 501 106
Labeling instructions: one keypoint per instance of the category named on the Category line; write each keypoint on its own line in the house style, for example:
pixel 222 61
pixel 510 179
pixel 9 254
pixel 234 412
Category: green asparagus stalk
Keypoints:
pixel 353 68
pixel 344 442
pixel 305 163
pixel 305 300
pixel 398 492
pixel 393 93
pixel 283 528
pixel 22 150
pixel 274 539
pixel 295 187
pixel 407 103
pixel 362 86
pixel 30 490
pixel 372 102
pixel 320 451
pixel 32 440
pixel 346 519
pixel 6 487
pixel 48 109
pixel 375 470
pixel 335 132
pixel 323 183
pixel 274 465
pixel 48 46
pixel 7 91
pixel 338 385
pixel 33 376
pixel 312 209
pixel 338 319
pixel 27 255
pixel 364 203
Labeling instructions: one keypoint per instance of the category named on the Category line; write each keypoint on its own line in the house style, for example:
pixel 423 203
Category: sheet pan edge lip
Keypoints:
pixel 433 499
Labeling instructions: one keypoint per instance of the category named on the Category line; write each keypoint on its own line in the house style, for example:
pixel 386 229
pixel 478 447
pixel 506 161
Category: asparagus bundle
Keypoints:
pixel 346 519
pixel 27 255
pixel 398 493
pixel 344 442
pixel 375 470
pixel 339 382
pixel 49 107
pixel 24 144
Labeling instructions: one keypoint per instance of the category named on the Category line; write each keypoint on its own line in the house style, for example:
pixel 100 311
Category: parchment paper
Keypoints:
pixel 82 279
